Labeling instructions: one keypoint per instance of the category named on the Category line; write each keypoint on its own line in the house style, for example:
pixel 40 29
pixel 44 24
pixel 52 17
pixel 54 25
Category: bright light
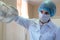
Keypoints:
pixel 22 8
pixel 19 6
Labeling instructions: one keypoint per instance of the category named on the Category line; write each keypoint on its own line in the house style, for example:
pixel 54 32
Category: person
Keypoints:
pixel 44 28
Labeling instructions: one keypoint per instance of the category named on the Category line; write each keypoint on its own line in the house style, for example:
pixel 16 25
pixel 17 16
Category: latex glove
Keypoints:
pixel 10 15
pixel 7 13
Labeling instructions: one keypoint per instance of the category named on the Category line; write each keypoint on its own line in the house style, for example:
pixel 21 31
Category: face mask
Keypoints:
pixel 43 17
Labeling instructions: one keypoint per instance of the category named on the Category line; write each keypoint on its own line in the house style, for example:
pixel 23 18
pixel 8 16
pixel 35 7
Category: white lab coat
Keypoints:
pixel 48 31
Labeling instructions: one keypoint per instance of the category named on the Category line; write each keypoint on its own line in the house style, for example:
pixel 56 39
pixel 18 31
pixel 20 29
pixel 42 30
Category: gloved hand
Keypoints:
pixel 7 13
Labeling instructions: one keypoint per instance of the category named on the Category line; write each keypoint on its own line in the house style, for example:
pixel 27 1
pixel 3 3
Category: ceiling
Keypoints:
pixel 36 2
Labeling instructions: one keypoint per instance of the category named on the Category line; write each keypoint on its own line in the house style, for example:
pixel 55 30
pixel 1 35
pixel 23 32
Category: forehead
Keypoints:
pixel 44 10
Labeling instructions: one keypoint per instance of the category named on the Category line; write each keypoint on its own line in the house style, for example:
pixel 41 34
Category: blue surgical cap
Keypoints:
pixel 48 6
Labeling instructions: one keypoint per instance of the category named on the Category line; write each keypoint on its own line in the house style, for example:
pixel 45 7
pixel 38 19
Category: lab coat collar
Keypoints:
pixel 49 24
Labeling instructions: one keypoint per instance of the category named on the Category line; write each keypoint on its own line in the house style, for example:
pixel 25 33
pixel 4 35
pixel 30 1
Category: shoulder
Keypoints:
pixel 58 29
pixel 52 25
pixel 35 20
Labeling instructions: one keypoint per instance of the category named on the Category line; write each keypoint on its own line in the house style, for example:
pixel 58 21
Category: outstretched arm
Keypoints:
pixel 22 21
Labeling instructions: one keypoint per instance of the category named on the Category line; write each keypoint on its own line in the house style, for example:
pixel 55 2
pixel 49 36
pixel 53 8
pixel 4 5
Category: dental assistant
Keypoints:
pixel 43 29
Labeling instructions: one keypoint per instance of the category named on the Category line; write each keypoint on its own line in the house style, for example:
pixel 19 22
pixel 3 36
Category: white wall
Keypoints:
pixel 1 31
pixel 14 31
pixel 56 21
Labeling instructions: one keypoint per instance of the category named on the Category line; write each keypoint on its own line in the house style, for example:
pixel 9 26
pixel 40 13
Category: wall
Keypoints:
pixel 1 31
pixel 15 31
pixel 30 10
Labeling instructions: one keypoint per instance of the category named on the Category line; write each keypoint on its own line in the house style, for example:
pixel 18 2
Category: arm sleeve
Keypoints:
pixel 22 21
pixel 58 34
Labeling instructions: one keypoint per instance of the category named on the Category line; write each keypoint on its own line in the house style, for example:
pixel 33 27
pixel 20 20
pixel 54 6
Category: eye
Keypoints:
pixel 41 11
pixel 46 13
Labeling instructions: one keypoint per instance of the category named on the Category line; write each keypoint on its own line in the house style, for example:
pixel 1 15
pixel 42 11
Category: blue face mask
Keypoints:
pixel 43 17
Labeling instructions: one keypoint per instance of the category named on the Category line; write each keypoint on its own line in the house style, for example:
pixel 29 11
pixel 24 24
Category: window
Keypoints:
pixel 22 7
